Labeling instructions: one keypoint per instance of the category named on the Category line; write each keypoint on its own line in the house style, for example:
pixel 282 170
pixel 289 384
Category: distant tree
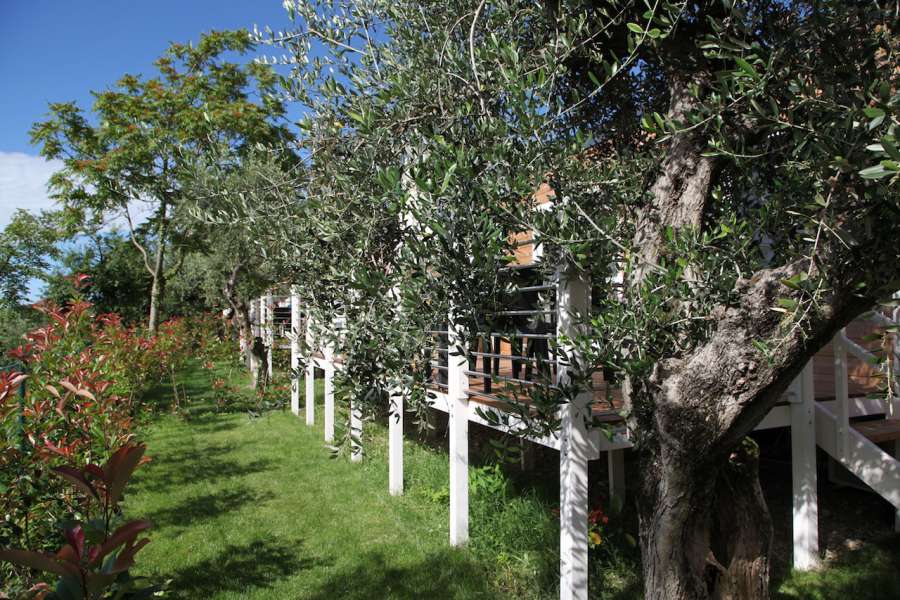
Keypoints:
pixel 119 282
pixel 131 152
pixel 28 244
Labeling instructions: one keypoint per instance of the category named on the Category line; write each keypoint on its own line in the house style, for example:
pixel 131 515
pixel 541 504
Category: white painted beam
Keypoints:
pixel 329 399
pixel 514 425
pixel 254 319
pixel 897 513
pixel 295 350
pixel 573 302
pixel 310 408
pixel 458 398
pixel 615 460
pixel 395 444
pixel 270 332
pixel 356 432
pixel 841 395
pixel 803 465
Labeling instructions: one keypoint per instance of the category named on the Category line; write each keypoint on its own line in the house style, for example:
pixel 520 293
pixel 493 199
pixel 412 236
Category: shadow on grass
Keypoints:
pixel 446 574
pixel 242 568
pixel 868 573
pixel 203 464
pixel 191 511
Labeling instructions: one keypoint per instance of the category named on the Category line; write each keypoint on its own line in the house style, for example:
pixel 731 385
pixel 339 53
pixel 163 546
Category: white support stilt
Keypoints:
pixel 458 399
pixel 310 395
pixel 395 444
pixel 803 464
pixel 897 514
pixel 254 319
pixel 270 332
pixel 329 397
pixel 295 350
pixel 255 332
pixel 841 395
pixel 573 302
pixel 356 449
pixel 261 327
pixel 310 407
pixel 615 460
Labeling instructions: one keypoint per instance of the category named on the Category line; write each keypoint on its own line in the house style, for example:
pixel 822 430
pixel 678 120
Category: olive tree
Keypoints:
pixel 736 162
pixel 235 264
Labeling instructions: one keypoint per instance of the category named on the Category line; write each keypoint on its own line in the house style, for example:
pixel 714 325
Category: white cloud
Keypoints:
pixel 23 183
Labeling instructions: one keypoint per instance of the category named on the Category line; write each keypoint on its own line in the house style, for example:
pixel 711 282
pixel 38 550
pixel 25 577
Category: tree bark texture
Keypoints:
pixel 705 530
pixel 157 272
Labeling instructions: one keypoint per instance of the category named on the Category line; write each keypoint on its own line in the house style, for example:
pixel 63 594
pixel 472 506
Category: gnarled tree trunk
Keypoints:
pixel 705 529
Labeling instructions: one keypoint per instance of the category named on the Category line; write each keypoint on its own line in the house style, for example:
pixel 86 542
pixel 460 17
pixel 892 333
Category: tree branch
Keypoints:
pixel 133 236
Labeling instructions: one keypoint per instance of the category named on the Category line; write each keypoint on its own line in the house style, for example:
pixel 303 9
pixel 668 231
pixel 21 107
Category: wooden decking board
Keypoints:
pixel 881 430
pixel 862 378
pixel 608 402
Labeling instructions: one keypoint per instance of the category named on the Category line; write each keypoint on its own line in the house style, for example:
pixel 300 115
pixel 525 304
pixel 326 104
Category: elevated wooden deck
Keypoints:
pixel 863 380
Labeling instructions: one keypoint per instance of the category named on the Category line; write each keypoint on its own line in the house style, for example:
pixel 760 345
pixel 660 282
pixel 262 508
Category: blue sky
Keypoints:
pixel 60 50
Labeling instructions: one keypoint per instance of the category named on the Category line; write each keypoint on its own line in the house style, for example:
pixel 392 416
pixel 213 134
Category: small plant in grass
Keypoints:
pixel 221 394
pixel 515 531
pixel 274 395
pixel 489 483
pixel 93 563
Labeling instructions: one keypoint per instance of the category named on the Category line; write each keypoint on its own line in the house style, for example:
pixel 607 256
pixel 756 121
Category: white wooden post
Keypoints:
pixel 310 379
pixel 356 451
pixel 841 395
pixel 893 407
pixel 458 401
pixel 270 332
pixel 894 404
pixel 254 319
pixel 261 326
pixel 255 332
pixel 395 444
pixel 615 460
pixel 395 416
pixel 897 514
pixel 803 464
pixel 329 395
pixel 295 350
pixel 573 305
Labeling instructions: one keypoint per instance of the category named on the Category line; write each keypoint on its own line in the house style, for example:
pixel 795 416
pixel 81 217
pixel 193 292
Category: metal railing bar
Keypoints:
pixel 513 357
pixel 518 267
pixel 535 288
pixel 482 374
pixel 535 336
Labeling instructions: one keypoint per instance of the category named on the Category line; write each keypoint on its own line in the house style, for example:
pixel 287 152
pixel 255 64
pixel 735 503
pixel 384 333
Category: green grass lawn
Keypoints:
pixel 259 508
pixel 871 572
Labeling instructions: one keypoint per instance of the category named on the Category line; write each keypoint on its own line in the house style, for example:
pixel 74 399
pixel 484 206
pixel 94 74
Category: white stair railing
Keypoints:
pixel 834 434
pixel 841 393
